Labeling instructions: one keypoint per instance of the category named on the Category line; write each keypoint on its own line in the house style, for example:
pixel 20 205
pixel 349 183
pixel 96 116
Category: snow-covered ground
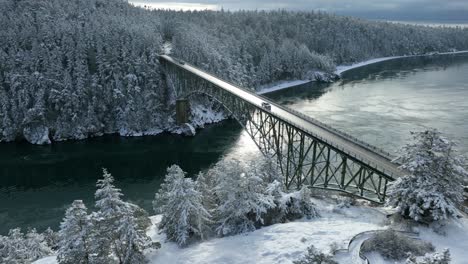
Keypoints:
pixel 282 85
pixel 167 48
pixel 342 68
pixel 280 243
pixel 285 243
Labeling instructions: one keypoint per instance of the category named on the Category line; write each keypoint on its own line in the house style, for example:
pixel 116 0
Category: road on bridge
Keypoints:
pixel 359 151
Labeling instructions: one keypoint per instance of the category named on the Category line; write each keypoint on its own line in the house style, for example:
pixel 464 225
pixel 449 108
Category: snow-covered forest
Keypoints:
pixel 75 69
pixel 235 197
pixel 253 48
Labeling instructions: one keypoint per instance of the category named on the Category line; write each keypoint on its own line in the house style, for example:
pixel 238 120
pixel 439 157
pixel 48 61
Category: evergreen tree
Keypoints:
pixel 116 229
pixel 433 191
pixel 131 242
pixel 242 199
pixel 313 256
pixel 18 248
pixel 181 204
pixel 74 235
pixel 36 245
pixel 51 238
pixel 13 249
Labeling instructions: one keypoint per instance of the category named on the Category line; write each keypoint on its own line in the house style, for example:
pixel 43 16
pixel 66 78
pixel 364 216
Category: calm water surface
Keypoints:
pixel 380 103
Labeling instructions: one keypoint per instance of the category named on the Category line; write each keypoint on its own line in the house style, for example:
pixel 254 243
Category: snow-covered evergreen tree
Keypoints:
pixel 184 216
pixel 20 248
pixel 131 243
pixel 12 249
pixel 290 205
pixel 89 67
pixel 242 199
pixel 51 238
pixel 313 256
pixel 431 258
pixel 433 191
pixel 116 231
pixel 74 235
pixel 36 245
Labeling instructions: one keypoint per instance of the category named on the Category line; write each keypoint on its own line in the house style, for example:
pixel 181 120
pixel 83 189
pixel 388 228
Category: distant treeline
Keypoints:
pixel 80 68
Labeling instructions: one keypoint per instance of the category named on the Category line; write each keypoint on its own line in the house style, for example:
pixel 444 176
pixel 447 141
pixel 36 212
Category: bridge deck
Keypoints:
pixel 365 154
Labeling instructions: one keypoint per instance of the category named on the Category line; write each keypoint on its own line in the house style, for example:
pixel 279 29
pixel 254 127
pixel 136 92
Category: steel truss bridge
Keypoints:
pixel 307 151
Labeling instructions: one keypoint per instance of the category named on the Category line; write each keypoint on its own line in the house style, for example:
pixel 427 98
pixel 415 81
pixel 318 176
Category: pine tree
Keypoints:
pixel 131 243
pixel 433 191
pixel 313 256
pixel 116 229
pixel 51 238
pixel 74 235
pixel 18 248
pixel 181 204
pixel 111 209
pixel 13 248
pixel 242 199
pixel 36 245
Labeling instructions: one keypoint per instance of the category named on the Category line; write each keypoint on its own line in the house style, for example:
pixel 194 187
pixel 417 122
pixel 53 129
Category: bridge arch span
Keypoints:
pixel 307 152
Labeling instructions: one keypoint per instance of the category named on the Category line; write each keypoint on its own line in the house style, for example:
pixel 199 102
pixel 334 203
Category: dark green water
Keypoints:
pixel 37 183
pixel 380 103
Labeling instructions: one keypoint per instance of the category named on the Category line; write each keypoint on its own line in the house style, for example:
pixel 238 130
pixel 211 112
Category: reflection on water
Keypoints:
pixel 37 183
pixel 381 103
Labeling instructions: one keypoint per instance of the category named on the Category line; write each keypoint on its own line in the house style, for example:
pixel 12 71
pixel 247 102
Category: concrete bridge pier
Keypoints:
pixel 182 111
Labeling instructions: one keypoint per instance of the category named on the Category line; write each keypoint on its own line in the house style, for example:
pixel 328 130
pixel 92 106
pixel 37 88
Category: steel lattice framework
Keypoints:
pixel 302 156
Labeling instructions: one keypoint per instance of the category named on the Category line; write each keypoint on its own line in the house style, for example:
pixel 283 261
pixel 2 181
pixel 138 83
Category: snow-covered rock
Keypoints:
pixel 319 76
pixel 187 130
pixel 38 135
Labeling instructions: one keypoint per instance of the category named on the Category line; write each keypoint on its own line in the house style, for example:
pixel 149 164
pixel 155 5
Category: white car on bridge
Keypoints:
pixel 266 105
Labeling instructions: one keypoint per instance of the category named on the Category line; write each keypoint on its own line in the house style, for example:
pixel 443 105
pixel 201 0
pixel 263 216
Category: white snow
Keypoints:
pixel 284 243
pixel 47 260
pixel 342 68
pixel 167 48
pixel 280 243
pixel 38 135
pixel 455 239
pixel 282 85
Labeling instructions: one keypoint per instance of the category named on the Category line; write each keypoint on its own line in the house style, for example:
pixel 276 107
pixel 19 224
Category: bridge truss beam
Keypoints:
pixel 302 157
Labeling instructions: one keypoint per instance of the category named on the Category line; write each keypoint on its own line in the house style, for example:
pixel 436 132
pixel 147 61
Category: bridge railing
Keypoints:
pixel 355 140
pixel 309 118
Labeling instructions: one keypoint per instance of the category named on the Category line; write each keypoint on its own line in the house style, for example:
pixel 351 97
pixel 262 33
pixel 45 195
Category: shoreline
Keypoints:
pixel 340 69
pixel 344 68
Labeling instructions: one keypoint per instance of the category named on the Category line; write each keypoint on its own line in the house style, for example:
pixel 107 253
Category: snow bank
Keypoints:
pixel 282 85
pixel 343 68
pixel 47 260
pixel 455 239
pixel 38 135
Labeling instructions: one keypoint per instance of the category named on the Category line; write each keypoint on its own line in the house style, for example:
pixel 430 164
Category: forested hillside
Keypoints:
pixel 80 68
pixel 254 48
pixel 71 69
